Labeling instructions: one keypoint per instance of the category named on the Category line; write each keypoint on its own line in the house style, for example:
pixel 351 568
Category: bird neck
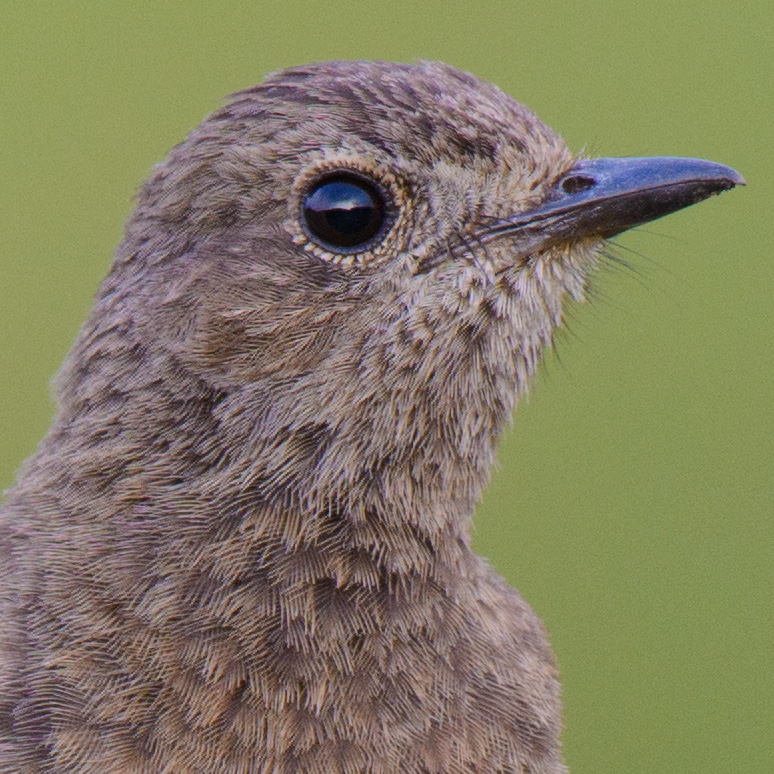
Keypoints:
pixel 209 481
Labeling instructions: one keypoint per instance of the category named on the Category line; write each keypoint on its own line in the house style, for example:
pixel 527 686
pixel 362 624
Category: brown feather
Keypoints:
pixel 244 544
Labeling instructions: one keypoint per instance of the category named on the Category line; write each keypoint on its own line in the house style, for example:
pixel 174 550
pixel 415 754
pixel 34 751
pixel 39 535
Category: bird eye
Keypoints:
pixel 344 212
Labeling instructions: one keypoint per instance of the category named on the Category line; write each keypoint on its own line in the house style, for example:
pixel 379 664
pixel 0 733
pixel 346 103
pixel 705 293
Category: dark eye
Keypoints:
pixel 344 212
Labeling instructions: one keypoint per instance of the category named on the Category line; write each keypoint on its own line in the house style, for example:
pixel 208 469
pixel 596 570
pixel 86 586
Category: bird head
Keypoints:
pixel 363 261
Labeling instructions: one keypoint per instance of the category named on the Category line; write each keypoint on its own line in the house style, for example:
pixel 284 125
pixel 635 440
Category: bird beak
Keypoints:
pixel 603 197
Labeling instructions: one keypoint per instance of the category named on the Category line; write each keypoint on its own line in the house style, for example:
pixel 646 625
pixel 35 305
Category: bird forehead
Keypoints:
pixel 426 112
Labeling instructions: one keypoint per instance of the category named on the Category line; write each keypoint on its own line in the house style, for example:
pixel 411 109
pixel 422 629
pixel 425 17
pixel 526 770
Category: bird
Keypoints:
pixel 244 544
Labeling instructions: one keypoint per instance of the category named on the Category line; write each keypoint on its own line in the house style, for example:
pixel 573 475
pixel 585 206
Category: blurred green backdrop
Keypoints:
pixel 634 503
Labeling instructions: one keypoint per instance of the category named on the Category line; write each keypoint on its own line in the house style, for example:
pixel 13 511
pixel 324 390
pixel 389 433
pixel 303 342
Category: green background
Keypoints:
pixel 633 505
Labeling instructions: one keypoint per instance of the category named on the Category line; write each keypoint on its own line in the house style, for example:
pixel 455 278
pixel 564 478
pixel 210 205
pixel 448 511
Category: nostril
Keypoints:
pixel 577 183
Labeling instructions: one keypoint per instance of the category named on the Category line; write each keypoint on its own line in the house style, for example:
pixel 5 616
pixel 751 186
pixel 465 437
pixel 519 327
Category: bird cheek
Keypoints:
pixel 255 344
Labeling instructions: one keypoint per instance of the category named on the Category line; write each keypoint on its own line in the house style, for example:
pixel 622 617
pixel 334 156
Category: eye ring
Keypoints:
pixel 344 211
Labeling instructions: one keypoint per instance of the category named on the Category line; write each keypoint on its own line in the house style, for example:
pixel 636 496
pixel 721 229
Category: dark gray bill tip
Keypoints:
pixel 603 197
